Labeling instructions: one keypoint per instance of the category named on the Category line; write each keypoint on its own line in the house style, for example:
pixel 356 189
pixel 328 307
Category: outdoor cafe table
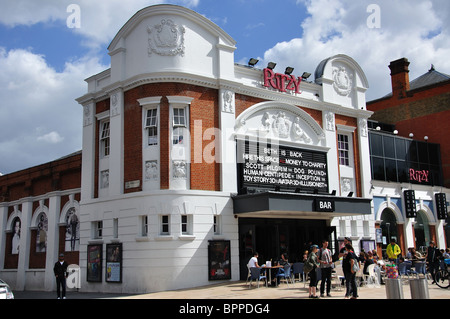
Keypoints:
pixel 270 268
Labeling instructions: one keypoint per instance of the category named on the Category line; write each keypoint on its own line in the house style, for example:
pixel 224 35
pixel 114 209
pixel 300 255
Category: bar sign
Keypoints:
pixel 410 203
pixel 441 205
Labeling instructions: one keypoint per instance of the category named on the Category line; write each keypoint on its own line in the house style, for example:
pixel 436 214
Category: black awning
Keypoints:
pixel 290 205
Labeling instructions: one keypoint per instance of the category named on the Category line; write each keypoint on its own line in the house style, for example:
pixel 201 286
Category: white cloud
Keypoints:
pixel 100 20
pixel 38 109
pixel 340 26
pixel 52 138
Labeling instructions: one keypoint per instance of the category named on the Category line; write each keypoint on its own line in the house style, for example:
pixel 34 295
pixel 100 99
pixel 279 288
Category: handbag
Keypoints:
pixel 355 267
pixel 308 265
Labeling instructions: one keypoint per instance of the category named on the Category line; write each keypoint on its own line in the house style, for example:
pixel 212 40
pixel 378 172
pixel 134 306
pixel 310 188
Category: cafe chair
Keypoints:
pixel 337 276
pixel 286 274
pixel 297 269
pixel 255 274
pixel 420 268
pixel 404 270
pixel 371 279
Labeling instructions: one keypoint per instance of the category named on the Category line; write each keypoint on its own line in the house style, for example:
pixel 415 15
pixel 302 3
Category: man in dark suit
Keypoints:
pixel 60 270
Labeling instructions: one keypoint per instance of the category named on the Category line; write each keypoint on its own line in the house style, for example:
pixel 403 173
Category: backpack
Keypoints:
pixel 355 267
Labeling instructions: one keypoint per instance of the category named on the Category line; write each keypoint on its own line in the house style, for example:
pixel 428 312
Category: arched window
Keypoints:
pixel 41 236
pixel 72 230
pixel 15 240
pixel 421 231
pixel 388 228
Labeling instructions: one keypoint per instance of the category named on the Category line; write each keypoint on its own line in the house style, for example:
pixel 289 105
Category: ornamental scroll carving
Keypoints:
pixel 166 38
pixel 343 81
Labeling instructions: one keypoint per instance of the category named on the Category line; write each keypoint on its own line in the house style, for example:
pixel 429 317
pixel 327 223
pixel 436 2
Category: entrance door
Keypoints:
pixel 273 237
pixel 421 232
pixel 388 228
pixel 246 247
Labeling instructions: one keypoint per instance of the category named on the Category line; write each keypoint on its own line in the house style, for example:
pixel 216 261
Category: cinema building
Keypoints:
pixel 410 159
pixel 191 162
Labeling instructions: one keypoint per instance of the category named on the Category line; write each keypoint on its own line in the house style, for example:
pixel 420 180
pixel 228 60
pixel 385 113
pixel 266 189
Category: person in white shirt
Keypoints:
pixel 325 267
pixel 253 262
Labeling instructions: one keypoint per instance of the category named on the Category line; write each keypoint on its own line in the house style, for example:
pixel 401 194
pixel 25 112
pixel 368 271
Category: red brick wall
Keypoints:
pixel 61 174
pixel 423 112
pixel 204 107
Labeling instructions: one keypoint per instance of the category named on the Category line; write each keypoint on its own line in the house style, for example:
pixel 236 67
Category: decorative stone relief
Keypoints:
pixel 166 38
pixel 87 115
pixel 298 133
pixel 329 117
pixel 151 170
pixel 346 185
pixel 281 125
pixel 115 109
pixel 363 127
pixel 104 182
pixel 343 82
pixel 179 169
pixel 228 102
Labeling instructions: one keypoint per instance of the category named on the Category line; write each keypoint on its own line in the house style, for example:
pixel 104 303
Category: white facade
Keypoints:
pixel 163 223
pixel 197 52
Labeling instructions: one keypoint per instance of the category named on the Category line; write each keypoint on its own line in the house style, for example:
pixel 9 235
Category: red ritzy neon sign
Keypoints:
pixel 281 82
pixel 418 176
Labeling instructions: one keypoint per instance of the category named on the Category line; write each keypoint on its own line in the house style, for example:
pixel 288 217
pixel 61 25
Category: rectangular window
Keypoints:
pixel 179 118
pixel 178 133
pixel 354 227
pixel 144 225
pixel 104 139
pixel 216 225
pixel 342 228
pixel 151 124
pixel 165 229
pixel 184 225
pixel 98 229
pixel 343 148
pixel 179 124
pixel 366 228
pixel 116 227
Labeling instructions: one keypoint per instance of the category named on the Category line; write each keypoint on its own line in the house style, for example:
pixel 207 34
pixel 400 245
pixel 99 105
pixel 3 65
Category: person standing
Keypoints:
pixel 312 274
pixel 393 251
pixel 60 270
pixel 325 267
pixel 349 273
pixel 432 257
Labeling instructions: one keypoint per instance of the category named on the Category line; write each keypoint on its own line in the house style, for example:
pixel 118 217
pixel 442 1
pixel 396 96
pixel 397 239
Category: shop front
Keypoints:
pixel 272 223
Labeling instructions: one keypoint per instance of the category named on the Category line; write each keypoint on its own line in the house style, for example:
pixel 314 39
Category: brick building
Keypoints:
pixel 37 207
pixel 410 154
pixel 191 162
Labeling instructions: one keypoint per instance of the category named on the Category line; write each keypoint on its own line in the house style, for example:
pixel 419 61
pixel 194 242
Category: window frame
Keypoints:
pixel 105 138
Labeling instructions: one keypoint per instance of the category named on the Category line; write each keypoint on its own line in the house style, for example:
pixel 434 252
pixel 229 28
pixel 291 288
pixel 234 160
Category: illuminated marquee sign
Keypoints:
pixel 419 176
pixel 268 167
pixel 282 82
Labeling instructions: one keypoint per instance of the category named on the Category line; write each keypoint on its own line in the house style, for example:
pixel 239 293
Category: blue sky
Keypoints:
pixel 43 62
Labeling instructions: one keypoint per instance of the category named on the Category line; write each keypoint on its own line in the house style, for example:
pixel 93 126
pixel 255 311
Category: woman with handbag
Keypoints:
pixel 350 266
pixel 312 259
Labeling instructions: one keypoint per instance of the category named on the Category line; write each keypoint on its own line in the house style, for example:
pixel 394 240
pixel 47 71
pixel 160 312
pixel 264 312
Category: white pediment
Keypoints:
pixel 279 121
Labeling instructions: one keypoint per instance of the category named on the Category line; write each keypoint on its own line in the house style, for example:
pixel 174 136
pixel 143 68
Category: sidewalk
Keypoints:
pixel 237 290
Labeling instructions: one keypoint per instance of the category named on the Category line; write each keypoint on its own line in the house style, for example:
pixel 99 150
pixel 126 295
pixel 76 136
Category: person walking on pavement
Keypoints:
pixel 432 256
pixel 325 267
pixel 60 271
pixel 349 272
